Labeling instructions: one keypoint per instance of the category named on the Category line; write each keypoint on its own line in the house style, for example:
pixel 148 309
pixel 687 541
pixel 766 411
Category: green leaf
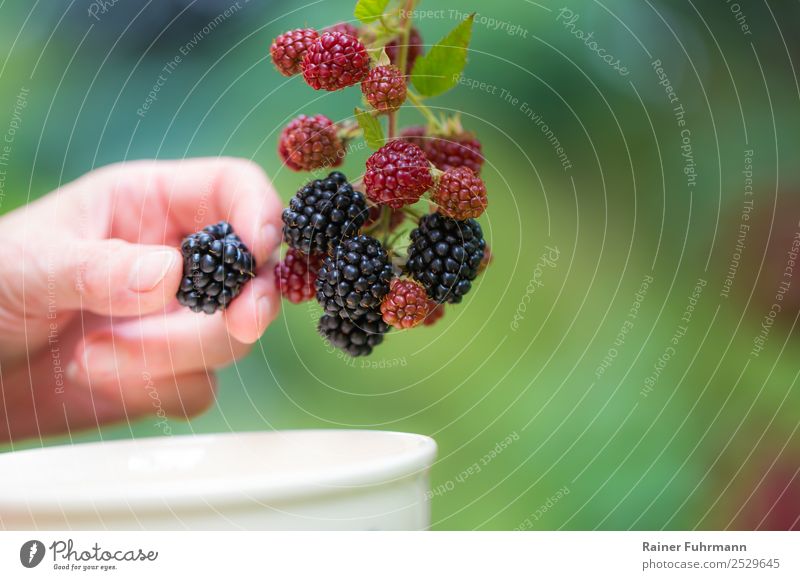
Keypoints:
pixel 373 132
pixel 438 71
pixel 370 10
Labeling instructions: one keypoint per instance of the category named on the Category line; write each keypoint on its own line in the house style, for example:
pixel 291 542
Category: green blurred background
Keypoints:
pixel 587 389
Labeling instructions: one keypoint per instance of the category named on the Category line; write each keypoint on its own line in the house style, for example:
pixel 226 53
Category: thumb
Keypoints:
pixel 111 277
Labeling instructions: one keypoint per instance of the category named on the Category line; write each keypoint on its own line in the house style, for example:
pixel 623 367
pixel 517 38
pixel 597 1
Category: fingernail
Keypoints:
pixel 264 306
pixel 270 237
pixel 150 270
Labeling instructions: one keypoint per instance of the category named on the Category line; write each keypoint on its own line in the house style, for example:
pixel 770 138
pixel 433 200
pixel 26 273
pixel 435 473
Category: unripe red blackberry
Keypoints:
pixel 289 48
pixel 415 48
pixel 435 313
pixel 335 61
pixel 343 27
pixel 296 275
pixel 460 194
pixel 384 88
pixel 406 305
pixel 415 134
pixel 462 150
pixel 308 143
pixel 397 174
pixel 216 264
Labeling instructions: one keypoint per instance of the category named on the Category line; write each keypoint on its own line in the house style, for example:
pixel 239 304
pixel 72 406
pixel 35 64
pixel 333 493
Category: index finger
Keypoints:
pixel 160 202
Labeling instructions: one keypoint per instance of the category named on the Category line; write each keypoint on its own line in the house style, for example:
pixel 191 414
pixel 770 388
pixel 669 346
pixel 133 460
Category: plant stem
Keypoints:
pixel 412 212
pixel 392 125
pixel 416 100
pixel 385 223
pixel 405 25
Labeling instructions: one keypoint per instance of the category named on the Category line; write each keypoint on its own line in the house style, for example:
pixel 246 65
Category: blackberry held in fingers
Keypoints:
pixel 444 256
pixel 322 213
pixel 355 336
pixel 354 278
pixel 216 264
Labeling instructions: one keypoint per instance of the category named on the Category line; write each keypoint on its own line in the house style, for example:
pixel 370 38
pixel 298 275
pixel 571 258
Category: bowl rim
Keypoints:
pixel 415 457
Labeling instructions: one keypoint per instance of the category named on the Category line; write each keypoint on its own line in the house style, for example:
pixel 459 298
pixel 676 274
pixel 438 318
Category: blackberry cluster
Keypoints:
pixel 216 264
pixel 366 287
pixel 354 278
pixel 322 213
pixel 445 255
pixel 355 336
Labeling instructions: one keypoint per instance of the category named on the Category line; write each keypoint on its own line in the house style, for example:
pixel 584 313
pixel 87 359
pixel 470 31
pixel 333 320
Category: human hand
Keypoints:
pixel 90 330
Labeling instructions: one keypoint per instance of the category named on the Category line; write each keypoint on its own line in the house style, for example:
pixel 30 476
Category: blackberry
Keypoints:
pixel 356 336
pixel 216 264
pixel 384 88
pixel 288 49
pixel 353 280
pixel 296 275
pixel 397 174
pixel 334 61
pixel 322 213
pixel 444 256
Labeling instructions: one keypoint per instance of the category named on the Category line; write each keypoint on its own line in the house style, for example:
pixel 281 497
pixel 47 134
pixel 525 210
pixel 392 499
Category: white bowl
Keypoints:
pixel 300 480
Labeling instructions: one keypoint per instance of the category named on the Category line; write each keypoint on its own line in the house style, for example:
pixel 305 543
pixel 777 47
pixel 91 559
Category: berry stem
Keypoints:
pixel 416 100
pixel 392 125
pixel 412 212
pixel 405 24
pixel 385 224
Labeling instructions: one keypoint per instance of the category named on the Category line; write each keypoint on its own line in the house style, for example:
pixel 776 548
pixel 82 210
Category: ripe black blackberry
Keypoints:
pixel 354 278
pixel 216 264
pixel 322 213
pixel 356 336
pixel 445 255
